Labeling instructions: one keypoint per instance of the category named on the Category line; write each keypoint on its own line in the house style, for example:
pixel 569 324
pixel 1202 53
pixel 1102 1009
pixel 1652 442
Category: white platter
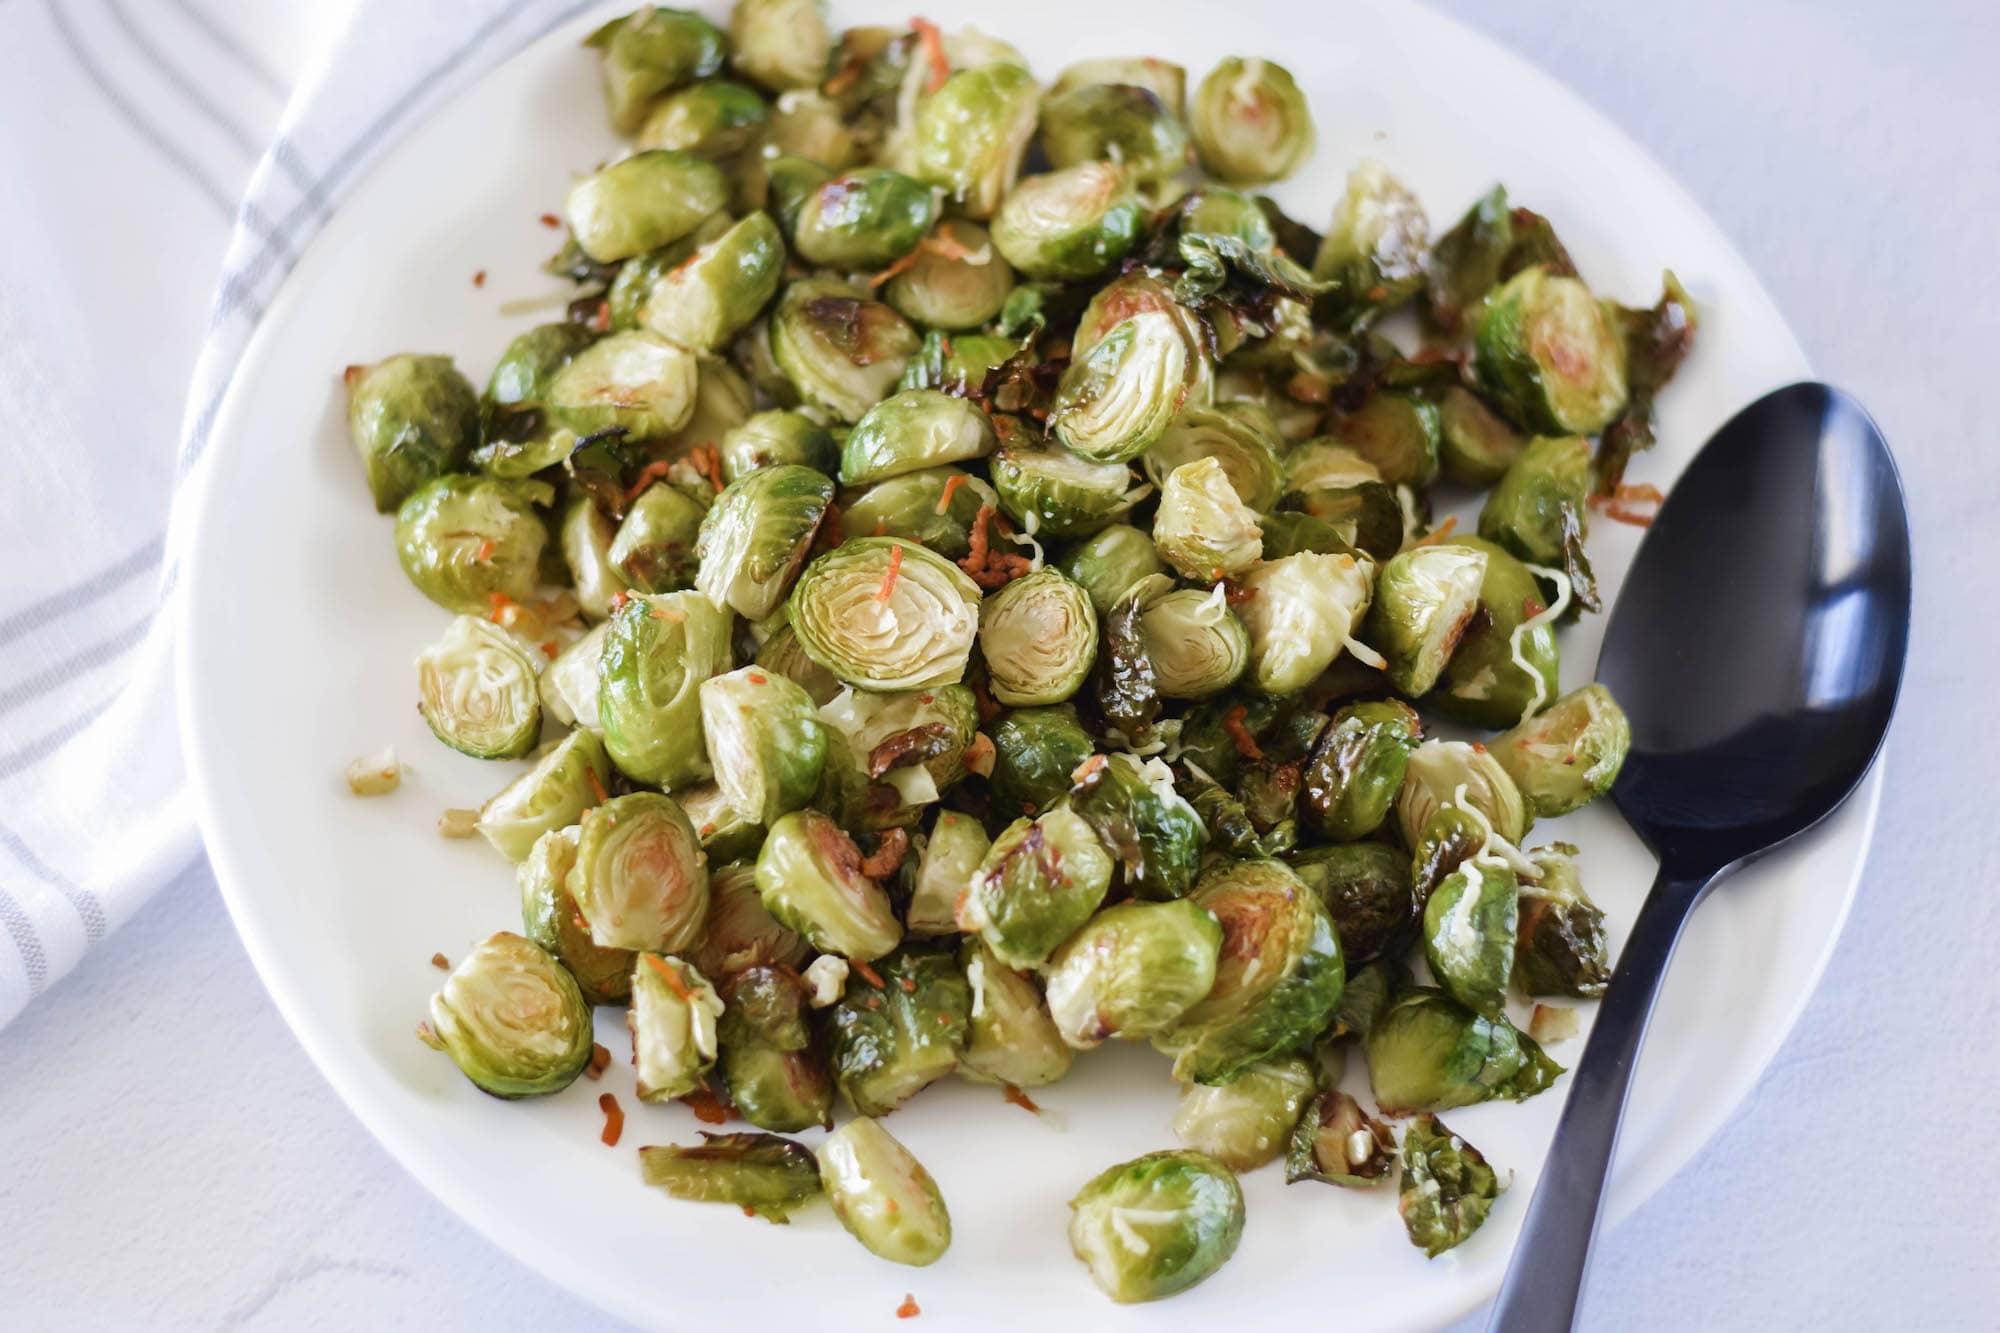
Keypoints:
pixel 300 630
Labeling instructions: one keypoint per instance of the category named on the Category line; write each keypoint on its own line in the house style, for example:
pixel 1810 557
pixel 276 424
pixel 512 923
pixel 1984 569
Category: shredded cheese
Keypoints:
pixel 1213 608
pixel 1195 771
pixel 1026 537
pixel 1495 850
pixel 1517 641
pixel 1363 654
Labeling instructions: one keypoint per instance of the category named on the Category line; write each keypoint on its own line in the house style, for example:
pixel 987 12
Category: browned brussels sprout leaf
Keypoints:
pixel 1338 1143
pixel 1229 271
pixel 1294 238
pixel 1122 684
pixel 1447 1186
pixel 1465 262
pixel 1228 824
pixel 1656 342
pixel 760 1173
pixel 1152 833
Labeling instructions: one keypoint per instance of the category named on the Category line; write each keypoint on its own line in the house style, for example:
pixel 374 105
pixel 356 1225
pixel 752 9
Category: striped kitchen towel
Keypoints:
pixel 142 145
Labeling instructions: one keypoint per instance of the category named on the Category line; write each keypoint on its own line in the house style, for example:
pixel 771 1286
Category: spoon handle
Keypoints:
pixel 1545 1278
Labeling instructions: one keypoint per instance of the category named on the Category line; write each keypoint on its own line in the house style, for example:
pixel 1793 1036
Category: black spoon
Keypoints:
pixel 1756 646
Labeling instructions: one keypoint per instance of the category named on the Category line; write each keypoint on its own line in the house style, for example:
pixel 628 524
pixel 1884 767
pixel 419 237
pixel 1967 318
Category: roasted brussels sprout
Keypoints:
pixel 914 741
pixel 1425 599
pixel 711 120
pixel 1433 776
pixel 1053 492
pixel 1038 635
pixel 1301 612
pixel 635 381
pixel 1036 751
pixel 1506 662
pixel 1250 122
pixel 654 550
pixel 551 919
pixel 477 691
pixel 912 431
pixel 1470 922
pixel 1568 754
pixel 883 1195
pixel 673 1016
pixel 1560 947
pixel 1109 563
pixel 651 51
pixel 783 654
pixel 1041 880
pixel 511 1018
pixel 1549 355
pixel 809 875
pixel 957 280
pixel 1338 1143
pixel 519 388
pixel 972 133
pixel 1012 1039
pixel 740 933
pixel 841 351
pixel 934 508
pixel 1451 837
pixel 782 44
pixel 1351 781
pixel 1238 436
pixel 641 880
pixel 1164 79
pixel 1428 1052
pixel 1248 1121
pixel 753 540
pixel 585 537
pixel 886 614
pixel 759 1173
pixel 1153 834
pixel 1368 891
pixel 950 858
pixel 765 741
pixel 777 437
pixel 775 1079
pixel 634 279
pixel 642 202
pixel 1156 1225
pixel 1537 512
pixel 1215 210
pixel 1069 224
pixel 702 301
pixel 1196 644
pixel 1132 970
pixel 893 1040
pixel 1278 980
pixel 1203 528
pixel 1468 261
pixel 1475 446
pixel 1397 433
pixel 413 419
pixel 1447 1187
pixel 658 651
pixel 464 540
pixel 552 795
pixel 1125 124
pixel 863 219
pixel 1126 384
pixel 569 687
pixel 1324 463
pixel 1374 251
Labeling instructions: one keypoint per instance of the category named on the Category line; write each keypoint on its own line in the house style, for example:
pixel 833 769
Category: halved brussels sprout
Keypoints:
pixel 1108 564
pixel 725 835
pixel 1197 645
pixel 950 858
pixel 711 120
pixel 1202 527
pixel 1351 781
pixel 1425 599
pixel 1549 354
pixel 782 44
pixel 512 1019
pixel 463 540
pixel 863 219
pixel 413 419
pixel 1470 923
pixel 642 202
pixel 1013 1040
pixel 783 654
pixel 893 1040
pixel 1156 1225
pixel 1038 635
pixel 640 879
pixel 886 614
pixel 957 281
pixel 1397 433
pixel 1278 980
pixel 1040 881
pixel 1368 891
pixel 1374 251
pixel 1503 667
pixel 1053 492
pixel 634 381
pixel 914 741
pixel 1435 772
pixel 1451 837
pixel 1301 612
pixel 789 185
pixel 1035 752
pixel 1428 1052
pixel 550 916
pixel 1117 399
pixel 912 431
pixel 552 795
pixel 1132 970
pixel 1237 436
pixel 755 537
pixel 1070 224
pixel 520 380
pixel 723 400
pixel 1537 511
pixel 740 933
pixel 651 51
pixel 1250 122
pixel 1338 1143
pixel 657 653
pixel 765 741
pixel 883 1195
pixel 585 537
pixel 1248 1121
pixel 1560 947
pixel 654 550
pixel 1125 124
pixel 1153 834
pixel 635 277
pixel 569 686
pixel 775 1079
pixel 1474 445
pixel 1569 754
pixel 809 875
pixel 971 134
pixel 1164 79
pixel 773 437
pixel 1324 463
pixel 673 1016
pixel 476 689
pixel 759 1173
pixel 701 302
pixel 935 508
pixel 841 351
pixel 1447 1187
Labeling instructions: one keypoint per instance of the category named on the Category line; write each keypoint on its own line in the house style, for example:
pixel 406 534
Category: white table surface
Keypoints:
pixel 170 1159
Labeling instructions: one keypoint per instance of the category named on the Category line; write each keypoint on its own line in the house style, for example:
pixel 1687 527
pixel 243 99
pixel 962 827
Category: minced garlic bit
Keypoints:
pixel 458 823
pixel 375 774
pixel 826 979
pixel 1552 1023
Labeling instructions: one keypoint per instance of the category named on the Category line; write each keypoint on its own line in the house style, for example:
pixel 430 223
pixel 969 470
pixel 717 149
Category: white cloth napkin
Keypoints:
pixel 140 144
